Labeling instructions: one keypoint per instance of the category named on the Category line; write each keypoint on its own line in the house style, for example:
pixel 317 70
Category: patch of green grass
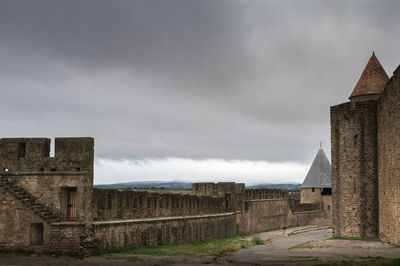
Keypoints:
pixel 301 245
pixel 354 238
pixel 212 247
pixel 257 240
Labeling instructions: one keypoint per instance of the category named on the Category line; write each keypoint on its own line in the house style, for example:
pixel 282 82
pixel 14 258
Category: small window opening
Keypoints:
pixel 5 169
pixel 329 207
pixel 313 189
pixel 41 169
pixel 71 204
pixel 78 169
pixel 53 169
pixel 326 191
pixel 36 234
pixel 22 150
pixel 356 140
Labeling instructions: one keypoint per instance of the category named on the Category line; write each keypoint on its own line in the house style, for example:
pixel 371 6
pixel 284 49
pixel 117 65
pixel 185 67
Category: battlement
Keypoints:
pixel 217 189
pixel 265 193
pixel 33 155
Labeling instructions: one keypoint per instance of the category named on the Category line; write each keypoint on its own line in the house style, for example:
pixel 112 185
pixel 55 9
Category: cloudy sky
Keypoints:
pixel 189 90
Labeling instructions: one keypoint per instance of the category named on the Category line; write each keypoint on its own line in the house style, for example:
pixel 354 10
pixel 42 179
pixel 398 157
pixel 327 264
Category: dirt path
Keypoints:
pixel 312 247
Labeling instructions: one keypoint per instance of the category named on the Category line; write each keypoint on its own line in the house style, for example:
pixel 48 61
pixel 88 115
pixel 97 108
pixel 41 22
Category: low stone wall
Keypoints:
pixel 112 204
pixel 65 237
pixel 268 214
pixel 15 222
pixel 261 215
pixel 296 206
pixel 265 193
pixel 304 218
pixel 162 231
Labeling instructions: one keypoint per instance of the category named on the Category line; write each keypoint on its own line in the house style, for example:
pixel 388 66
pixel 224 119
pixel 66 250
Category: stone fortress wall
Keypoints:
pixel 366 157
pixel 111 204
pixel 389 160
pixel 35 194
pixel 354 168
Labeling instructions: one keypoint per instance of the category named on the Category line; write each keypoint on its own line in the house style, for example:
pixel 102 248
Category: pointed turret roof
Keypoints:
pixel 319 175
pixel 373 79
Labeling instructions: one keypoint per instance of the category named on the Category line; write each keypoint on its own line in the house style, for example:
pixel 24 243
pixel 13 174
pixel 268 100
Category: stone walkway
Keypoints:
pixel 313 247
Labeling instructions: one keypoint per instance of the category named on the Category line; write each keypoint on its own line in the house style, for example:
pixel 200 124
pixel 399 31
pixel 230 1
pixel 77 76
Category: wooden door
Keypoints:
pixel 71 204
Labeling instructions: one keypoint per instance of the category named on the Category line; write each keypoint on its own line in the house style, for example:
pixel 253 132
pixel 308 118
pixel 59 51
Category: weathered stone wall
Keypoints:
pixel 162 231
pixel 264 215
pixel 27 161
pixel 268 214
pixel 34 190
pixel 217 189
pixel 296 206
pixel 33 204
pixel 233 193
pixel 354 169
pixel 48 188
pixel 66 238
pixel 389 160
pixel 310 196
pixel 32 155
pixel 111 204
pixel 326 202
pixel 265 193
pixel 15 222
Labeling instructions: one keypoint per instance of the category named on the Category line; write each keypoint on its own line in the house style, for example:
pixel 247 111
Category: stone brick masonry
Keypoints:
pixel 35 205
pixel 389 160
pixel 365 137
pixel 354 169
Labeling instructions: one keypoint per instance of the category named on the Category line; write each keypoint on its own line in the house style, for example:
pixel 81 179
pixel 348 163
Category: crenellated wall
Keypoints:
pixel 112 204
pixel 265 193
pixel 33 155
pixel 36 193
pixel 217 189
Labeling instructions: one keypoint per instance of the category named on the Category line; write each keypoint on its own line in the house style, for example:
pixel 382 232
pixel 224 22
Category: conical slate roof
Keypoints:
pixel 373 79
pixel 319 175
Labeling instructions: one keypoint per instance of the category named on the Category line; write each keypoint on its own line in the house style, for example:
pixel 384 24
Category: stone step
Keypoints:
pixel 28 200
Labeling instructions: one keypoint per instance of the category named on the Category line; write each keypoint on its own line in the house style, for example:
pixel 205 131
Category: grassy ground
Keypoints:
pixel 212 247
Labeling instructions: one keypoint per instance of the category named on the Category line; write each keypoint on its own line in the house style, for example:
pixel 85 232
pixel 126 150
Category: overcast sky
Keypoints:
pixel 189 90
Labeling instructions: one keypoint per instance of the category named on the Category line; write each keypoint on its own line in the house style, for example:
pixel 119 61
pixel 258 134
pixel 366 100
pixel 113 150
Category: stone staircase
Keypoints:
pixel 28 200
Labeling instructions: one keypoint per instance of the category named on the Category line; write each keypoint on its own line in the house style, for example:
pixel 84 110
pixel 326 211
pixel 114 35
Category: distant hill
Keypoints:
pixel 149 185
pixel 186 185
pixel 288 187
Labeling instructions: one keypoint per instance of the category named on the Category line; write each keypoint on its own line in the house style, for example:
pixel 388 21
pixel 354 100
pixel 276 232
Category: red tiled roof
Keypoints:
pixel 373 79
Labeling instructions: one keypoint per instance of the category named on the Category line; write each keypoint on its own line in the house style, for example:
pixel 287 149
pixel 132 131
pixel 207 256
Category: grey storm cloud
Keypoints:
pixel 248 80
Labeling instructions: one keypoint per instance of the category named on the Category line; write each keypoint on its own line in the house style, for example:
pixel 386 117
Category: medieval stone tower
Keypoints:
pixel 354 139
